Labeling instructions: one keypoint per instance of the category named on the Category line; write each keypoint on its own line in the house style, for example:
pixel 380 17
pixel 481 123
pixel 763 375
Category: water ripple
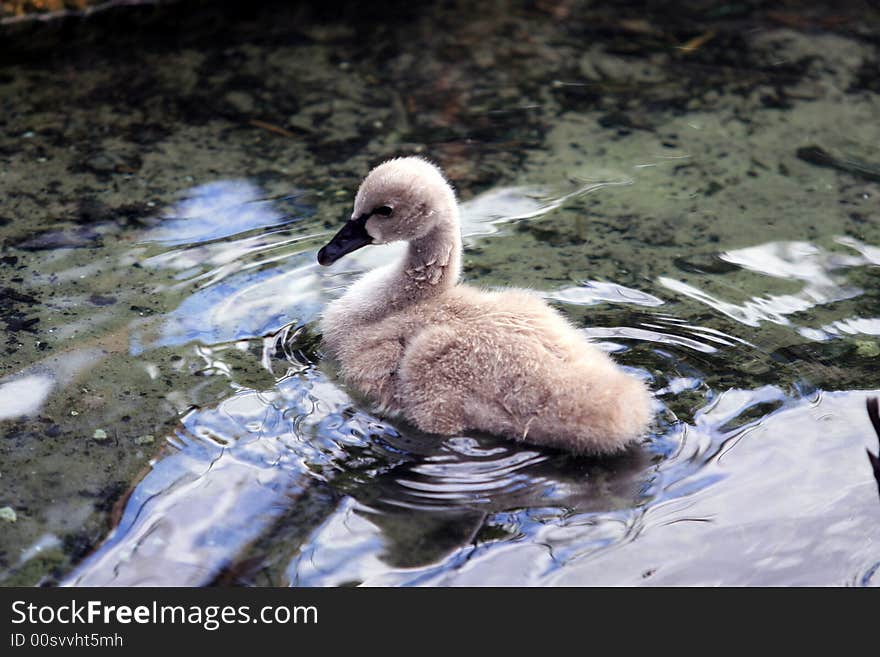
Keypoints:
pixel 816 268
pixel 590 293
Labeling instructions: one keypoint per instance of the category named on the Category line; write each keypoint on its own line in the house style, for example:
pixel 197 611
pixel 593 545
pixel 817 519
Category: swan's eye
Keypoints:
pixel 384 210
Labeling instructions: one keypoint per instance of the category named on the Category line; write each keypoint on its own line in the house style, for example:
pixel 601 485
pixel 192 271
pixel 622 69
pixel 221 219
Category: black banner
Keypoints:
pixel 265 619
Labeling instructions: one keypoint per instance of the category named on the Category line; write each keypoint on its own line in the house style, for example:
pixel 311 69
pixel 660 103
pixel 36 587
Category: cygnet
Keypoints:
pixel 450 357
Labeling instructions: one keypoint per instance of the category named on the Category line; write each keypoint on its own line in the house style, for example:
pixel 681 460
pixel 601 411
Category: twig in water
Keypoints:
pixel 873 413
pixel 271 127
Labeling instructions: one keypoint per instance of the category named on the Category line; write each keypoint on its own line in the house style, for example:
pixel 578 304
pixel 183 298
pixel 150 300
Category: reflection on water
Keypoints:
pixel 590 293
pixel 799 261
pixel 752 472
pixel 204 214
pixel 488 212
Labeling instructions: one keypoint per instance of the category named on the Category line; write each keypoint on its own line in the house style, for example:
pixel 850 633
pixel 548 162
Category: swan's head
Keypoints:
pixel 402 199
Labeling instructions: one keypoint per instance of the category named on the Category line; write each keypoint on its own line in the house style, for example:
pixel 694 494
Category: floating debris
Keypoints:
pixel 144 440
pixel 8 514
pixel 99 434
pixel 271 127
pixel 698 41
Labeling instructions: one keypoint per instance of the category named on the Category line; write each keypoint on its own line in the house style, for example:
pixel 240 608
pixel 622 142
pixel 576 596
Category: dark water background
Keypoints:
pixel 695 184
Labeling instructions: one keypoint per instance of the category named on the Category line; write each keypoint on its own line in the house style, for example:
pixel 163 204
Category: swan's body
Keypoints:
pixel 452 357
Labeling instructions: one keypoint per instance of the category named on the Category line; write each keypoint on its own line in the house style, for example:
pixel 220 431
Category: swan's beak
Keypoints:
pixel 351 237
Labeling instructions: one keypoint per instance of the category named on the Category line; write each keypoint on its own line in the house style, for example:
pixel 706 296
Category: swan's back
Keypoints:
pixel 504 362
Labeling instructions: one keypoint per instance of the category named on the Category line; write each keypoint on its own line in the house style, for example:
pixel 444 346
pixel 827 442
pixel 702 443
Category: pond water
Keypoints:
pixel 698 190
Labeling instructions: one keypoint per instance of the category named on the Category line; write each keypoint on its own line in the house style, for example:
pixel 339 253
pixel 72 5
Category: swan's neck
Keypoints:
pixel 430 267
pixel 432 264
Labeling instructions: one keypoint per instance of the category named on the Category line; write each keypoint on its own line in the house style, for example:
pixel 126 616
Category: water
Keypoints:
pixel 167 416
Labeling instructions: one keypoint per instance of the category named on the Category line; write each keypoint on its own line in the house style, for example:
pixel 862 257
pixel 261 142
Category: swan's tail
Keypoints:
pixel 594 415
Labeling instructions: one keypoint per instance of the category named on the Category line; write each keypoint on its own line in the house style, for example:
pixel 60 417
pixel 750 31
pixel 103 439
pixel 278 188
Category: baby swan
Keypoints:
pixel 451 357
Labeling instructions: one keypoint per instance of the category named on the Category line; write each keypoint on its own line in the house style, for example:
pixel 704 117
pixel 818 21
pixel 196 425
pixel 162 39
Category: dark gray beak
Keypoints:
pixel 351 237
